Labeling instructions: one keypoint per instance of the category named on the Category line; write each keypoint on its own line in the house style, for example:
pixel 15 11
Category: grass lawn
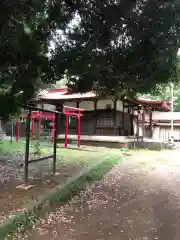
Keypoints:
pixel 64 156
pixel 6 146
pixel 154 159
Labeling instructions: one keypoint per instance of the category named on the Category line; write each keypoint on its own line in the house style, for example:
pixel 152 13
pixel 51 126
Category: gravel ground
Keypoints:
pixel 69 163
pixel 133 202
pixel 12 175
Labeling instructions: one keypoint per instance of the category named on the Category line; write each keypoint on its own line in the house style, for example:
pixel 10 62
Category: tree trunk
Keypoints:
pixel 2 130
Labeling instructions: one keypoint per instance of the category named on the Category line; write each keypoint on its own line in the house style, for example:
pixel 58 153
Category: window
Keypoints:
pixel 108 106
pixel 105 121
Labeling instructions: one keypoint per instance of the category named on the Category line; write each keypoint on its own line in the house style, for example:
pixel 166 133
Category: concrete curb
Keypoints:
pixel 25 219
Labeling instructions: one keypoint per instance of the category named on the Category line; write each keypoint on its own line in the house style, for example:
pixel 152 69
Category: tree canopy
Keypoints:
pixel 114 50
pixel 164 91
pixel 26 29
pixel 110 45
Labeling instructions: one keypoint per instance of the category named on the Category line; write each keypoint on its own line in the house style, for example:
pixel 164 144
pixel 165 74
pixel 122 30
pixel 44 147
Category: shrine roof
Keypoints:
pixel 62 94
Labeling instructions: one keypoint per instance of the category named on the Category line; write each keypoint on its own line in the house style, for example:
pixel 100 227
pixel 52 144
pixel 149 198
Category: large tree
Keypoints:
pixel 26 29
pixel 110 45
pixel 164 91
pixel 114 49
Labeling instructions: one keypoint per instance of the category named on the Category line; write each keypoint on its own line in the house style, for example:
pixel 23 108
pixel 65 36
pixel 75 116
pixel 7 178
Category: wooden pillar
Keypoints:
pixel 137 132
pixel 27 146
pixel 59 124
pixel 115 115
pixel 55 144
pixel 77 106
pixel 132 122
pixel 143 122
pixel 129 121
pixel 150 123
pixel 123 119
pixel 95 111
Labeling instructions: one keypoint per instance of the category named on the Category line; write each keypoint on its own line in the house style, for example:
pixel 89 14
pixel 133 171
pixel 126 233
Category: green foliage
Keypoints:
pixel 164 91
pixel 120 45
pixel 1 145
pixel 37 149
pixel 112 46
pixel 26 29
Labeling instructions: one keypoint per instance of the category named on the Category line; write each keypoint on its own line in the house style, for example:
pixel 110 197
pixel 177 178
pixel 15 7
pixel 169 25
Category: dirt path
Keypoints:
pixel 135 201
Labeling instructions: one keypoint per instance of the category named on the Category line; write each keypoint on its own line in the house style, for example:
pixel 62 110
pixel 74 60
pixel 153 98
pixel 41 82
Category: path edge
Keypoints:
pixel 25 219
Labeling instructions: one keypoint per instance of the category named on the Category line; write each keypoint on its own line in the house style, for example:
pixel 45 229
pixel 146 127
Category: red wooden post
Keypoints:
pixel 32 131
pixel 18 131
pixel 79 129
pixel 39 128
pixel 66 128
pixel 71 111
pixel 53 128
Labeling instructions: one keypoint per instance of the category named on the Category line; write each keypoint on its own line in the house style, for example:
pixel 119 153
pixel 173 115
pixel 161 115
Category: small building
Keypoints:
pixel 112 116
pixel 162 125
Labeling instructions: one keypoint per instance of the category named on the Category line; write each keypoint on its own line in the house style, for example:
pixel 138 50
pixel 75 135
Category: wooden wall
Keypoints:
pixel 101 123
pixel 102 117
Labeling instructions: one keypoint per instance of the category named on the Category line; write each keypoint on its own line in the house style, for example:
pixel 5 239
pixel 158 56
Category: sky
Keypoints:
pixel 74 23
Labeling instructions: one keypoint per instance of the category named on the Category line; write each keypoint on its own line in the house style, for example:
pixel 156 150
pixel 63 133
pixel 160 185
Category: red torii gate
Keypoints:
pixel 39 116
pixel 77 112
pixel 69 111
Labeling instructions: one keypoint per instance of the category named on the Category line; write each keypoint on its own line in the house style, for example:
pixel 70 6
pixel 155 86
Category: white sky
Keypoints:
pixel 74 23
